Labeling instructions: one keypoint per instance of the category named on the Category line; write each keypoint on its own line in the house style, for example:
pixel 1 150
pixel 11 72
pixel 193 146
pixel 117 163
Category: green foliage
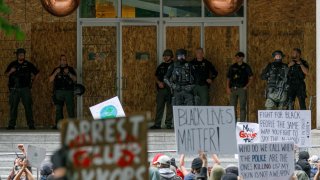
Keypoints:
pixel 6 27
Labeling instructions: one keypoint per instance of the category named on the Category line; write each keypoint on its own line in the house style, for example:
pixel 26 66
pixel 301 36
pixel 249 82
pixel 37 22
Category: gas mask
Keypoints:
pixel 181 57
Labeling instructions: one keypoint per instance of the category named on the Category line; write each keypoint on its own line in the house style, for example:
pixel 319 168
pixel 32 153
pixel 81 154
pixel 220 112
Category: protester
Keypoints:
pixel 217 172
pixel 45 171
pixel 301 175
pixel 20 170
pixel 59 164
pixel 232 169
pixel 198 167
pixel 317 176
pixel 229 176
pixel 178 171
pixel 313 161
pixel 154 174
pixel 166 173
pixel 303 162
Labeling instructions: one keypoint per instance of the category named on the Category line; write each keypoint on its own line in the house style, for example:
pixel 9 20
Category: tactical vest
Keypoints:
pixel 278 73
pixel 182 73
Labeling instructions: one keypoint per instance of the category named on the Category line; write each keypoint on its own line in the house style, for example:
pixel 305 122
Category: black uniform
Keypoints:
pixel 203 70
pixel 163 97
pixel 238 76
pixel 180 77
pixel 19 86
pixel 63 92
pixel 297 86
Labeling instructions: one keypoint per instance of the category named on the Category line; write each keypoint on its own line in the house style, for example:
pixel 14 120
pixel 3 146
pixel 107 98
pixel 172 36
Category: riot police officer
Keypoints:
pixel 277 86
pixel 298 69
pixel 163 92
pixel 21 74
pixel 180 78
pixel 205 73
pixel 64 78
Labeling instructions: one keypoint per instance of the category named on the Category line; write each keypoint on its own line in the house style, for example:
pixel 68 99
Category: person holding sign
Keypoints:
pixel 180 78
pixel 239 78
pixel 276 74
pixel 64 78
pixel 298 70
pixel 199 167
pixel 163 92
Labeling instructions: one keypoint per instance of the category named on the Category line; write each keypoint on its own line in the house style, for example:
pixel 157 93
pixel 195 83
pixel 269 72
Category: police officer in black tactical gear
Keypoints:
pixel 64 78
pixel 21 74
pixel 276 75
pixel 298 69
pixel 163 92
pixel 180 78
pixel 205 73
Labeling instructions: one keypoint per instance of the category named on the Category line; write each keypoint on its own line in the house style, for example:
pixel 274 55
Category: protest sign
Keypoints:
pixel 110 108
pixel 247 132
pixel 35 155
pixel 261 161
pixel 107 149
pixel 285 125
pixel 207 128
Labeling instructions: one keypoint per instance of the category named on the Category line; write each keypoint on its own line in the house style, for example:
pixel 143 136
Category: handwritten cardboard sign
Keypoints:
pixel 266 161
pixel 107 149
pixel 110 108
pixel 35 155
pixel 247 132
pixel 207 128
pixel 285 125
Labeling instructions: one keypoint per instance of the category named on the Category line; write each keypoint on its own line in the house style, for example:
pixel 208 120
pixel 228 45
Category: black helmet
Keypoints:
pixel 79 89
pixel 277 52
pixel 181 52
pixel 168 52
pixel 21 50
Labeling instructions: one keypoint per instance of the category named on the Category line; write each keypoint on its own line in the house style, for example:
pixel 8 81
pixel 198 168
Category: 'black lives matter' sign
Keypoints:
pixel 107 149
pixel 207 128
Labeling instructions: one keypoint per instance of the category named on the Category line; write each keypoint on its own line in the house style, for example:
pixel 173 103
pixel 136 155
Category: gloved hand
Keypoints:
pixel 175 87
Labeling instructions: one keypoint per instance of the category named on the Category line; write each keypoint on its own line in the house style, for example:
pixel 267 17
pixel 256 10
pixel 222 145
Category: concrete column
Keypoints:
pixel 317 61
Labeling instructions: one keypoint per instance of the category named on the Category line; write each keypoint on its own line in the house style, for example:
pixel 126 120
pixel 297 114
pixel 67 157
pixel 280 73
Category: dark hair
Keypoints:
pixel 297 50
pixel 239 54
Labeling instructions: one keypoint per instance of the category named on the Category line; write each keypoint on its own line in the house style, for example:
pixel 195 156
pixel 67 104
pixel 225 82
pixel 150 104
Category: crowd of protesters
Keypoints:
pixel 163 167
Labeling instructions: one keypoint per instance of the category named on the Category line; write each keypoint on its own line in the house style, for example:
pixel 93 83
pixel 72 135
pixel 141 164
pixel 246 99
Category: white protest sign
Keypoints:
pixel 247 132
pixel 35 155
pixel 206 128
pixel 110 108
pixel 266 161
pixel 285 125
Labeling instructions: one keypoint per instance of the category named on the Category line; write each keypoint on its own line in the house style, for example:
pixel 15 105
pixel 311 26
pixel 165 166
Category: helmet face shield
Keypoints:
pixel 181 57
